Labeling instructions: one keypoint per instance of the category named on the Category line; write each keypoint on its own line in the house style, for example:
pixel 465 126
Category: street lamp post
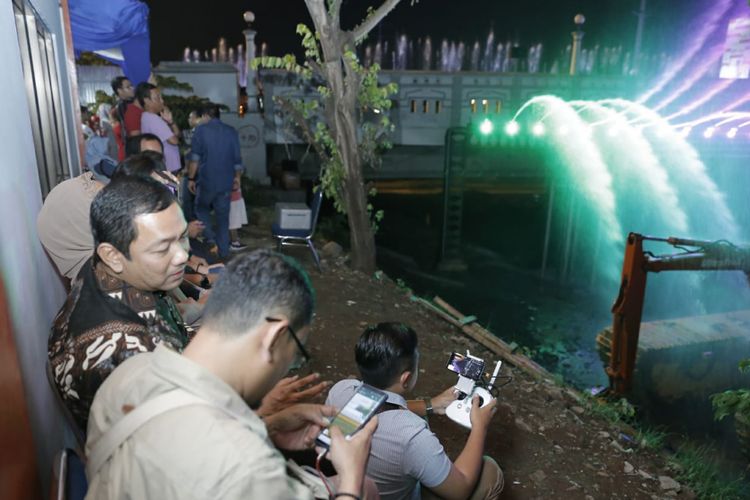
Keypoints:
pixel 577 38
pixel 252 94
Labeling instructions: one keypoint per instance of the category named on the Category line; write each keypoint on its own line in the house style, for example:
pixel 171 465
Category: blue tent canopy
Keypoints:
pixel 99 25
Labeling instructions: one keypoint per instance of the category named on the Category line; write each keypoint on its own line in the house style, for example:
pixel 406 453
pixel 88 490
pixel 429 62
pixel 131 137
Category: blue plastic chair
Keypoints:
pixel 68 476
pixel 301 237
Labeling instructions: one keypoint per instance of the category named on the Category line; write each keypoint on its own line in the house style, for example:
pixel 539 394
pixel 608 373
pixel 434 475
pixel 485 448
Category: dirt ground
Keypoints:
pixel 547 443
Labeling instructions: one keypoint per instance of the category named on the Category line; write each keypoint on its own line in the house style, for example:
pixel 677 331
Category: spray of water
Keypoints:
pixel 738 102
pixel 713 55
pixel 708 24
pixel 637 175
pixel 716 89
pixel 705 205
pixel 579 167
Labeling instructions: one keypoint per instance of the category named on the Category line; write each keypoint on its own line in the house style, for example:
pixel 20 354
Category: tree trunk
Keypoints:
pixel 342 108
pixel 361 237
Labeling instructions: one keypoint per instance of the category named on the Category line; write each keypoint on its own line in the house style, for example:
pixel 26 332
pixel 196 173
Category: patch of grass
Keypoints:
pixel 697 468
pixel 651 438
pixel 613 411
pixel 402 286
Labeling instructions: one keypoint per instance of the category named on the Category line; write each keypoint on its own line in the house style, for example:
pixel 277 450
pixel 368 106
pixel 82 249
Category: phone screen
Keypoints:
pixel 466 366
pixel 355 413
pixel 456 362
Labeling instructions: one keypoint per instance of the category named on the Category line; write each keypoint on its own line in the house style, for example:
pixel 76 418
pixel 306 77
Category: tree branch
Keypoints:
pixel 361 31
pixel 335 10
pixel 304 126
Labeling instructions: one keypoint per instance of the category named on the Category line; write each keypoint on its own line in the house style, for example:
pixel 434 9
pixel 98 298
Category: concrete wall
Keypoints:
pixel 33 289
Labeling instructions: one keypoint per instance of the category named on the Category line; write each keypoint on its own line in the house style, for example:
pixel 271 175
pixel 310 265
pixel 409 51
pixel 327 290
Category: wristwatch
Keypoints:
pixel 427 406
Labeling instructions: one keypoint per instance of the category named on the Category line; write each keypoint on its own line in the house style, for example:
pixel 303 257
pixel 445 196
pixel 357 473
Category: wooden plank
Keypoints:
pixel 493 343
pixel 479 334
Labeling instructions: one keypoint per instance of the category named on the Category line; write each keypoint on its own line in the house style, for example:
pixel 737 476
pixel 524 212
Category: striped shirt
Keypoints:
pixel 405 452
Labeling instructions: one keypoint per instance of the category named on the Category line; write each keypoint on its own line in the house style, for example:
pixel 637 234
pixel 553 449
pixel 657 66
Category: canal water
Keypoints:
pixel 537 275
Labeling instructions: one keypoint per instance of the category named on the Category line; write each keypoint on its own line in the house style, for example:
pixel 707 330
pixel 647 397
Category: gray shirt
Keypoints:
pixel 405 453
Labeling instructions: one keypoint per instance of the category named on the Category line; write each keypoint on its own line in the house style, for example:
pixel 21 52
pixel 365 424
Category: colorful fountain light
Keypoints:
pixel 699 72
pixel 718 87
pixel 538 129
pixel 623 167
pixel 512 128
pixel 486 127
pixel 708 24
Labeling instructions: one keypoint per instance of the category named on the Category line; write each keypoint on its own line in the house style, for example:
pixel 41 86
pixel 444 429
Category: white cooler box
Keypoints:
pixel 292 216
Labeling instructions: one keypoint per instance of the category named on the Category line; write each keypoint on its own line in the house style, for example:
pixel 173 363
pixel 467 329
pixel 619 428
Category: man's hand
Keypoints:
pixel 480 417
pixel 194 261
pixel 296 427
pixel 236 184
pixel 191 186
pixel 195 228
pixel 349 456
pixel 441 401
pixel 289 391
pixel 166 115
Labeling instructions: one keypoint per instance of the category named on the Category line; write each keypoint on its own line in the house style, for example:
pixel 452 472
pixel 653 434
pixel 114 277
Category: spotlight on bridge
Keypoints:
pixel 613 131
pixel 732 133
pixel 709 132
pixel 686 131
pixel 538 129
pixel 563 130
pixel 486 127
pixel 512 127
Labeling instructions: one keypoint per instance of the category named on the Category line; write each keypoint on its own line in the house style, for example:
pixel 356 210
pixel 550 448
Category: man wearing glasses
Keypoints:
pixel 165 425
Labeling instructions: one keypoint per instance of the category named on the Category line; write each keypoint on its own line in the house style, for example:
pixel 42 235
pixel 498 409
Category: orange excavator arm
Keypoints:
pixel 628 307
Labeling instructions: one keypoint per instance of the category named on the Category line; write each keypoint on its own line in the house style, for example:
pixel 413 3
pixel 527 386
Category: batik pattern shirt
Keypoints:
pixel 103 322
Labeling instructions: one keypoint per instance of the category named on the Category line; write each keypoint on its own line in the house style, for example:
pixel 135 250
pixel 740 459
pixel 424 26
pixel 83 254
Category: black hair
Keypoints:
pixel 257 285
pixel 385 351
pixel 143 90
pixel 133 144
pixel 118 82
pixel 142 164
pixel 116 206
pixel 211 110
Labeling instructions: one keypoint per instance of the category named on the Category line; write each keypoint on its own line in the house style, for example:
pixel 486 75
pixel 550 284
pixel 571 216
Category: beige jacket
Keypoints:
pixel 194 452
pixel 63 223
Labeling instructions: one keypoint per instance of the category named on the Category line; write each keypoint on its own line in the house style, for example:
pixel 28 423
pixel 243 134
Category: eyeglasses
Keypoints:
pixel 302 350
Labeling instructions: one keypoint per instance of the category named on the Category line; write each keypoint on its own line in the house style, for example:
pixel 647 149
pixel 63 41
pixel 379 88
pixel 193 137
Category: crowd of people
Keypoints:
pixel 171 355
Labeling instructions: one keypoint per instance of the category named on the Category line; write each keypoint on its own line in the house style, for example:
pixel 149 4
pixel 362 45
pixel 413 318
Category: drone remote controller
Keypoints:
pixel 460 410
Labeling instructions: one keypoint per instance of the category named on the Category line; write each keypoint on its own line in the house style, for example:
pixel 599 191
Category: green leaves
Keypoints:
pixel 734 400
pixel 371 113
pixel 287 62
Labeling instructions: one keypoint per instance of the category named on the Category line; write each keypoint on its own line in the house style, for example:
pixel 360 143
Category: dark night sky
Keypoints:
pixel 199 23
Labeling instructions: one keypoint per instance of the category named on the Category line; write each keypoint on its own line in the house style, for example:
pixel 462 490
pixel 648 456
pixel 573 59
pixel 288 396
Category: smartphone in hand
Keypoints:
pixel 355 413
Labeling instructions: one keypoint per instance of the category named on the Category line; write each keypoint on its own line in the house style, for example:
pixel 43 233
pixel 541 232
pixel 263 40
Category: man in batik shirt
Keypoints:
pixel 117 306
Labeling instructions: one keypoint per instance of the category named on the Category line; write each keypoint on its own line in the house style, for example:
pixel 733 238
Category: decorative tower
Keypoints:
pixel 252 86
pixel 577 39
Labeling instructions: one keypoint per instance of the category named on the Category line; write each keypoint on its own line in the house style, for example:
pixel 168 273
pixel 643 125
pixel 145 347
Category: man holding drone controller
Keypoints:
pixel 407 460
